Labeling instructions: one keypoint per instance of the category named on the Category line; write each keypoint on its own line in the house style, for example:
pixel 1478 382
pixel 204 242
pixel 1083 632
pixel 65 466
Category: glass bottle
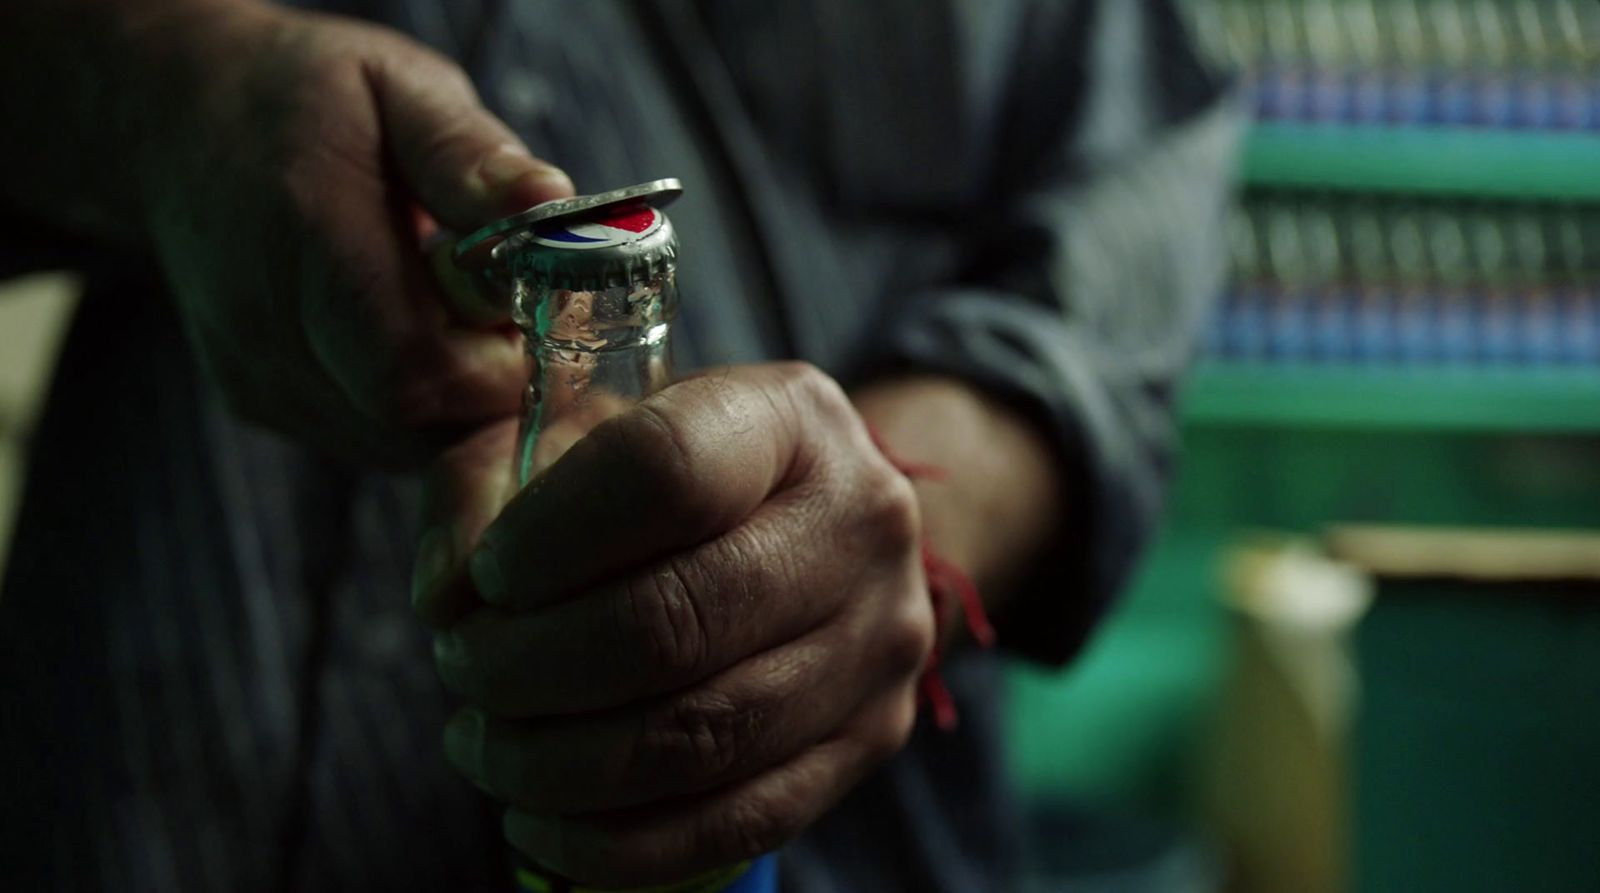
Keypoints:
pixel 594 289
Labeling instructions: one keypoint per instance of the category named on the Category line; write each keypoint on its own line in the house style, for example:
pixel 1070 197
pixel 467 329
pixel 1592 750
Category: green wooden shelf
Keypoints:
pixel 1475 163
pixel 1464 399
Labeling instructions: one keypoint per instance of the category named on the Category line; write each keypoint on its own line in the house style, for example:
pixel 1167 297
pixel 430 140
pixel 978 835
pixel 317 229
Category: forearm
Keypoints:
pixel 92 86
pixel 1001 501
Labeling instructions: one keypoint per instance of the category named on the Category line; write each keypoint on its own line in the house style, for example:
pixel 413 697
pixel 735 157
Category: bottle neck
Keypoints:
pixel 595 353
pixel 624 315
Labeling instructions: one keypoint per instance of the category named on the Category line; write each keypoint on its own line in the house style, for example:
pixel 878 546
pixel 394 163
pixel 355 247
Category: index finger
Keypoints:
pixel 681 467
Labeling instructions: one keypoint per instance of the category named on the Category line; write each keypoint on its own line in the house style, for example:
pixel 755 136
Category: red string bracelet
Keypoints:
pixel 944 579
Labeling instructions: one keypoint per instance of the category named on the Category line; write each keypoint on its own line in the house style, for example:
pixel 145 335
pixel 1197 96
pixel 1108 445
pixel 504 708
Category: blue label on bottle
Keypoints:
pixel 761 878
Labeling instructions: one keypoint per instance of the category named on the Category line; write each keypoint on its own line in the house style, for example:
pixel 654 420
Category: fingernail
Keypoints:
pixel 485 571
pixel 463 740
pixel 435 555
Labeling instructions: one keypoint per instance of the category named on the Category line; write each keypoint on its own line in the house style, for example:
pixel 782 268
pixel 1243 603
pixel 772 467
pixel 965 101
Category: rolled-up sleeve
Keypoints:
pixel 1087 291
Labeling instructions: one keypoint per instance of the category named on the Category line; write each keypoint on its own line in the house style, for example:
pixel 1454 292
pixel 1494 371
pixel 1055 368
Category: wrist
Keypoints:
pixel 999 499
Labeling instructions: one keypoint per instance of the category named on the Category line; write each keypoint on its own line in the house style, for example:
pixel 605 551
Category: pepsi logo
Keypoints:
pixel 619 227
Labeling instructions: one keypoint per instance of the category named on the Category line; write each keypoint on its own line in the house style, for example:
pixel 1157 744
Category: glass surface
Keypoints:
pixel 595 354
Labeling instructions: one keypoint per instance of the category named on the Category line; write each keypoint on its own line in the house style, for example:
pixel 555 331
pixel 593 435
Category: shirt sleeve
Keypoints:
pixel 1087 291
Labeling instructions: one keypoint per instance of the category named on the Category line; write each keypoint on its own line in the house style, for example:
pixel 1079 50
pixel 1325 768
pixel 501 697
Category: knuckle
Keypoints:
pixel 816 387
pixel 889 509
pixel 700 736
pixel 441 75
pixel 322 76
pixel 666 622
pixel 756 566
pixel 909 637
pixel 397 62
pixel 804 376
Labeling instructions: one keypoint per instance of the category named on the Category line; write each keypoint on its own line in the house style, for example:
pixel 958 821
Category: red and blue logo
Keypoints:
pixel 619 227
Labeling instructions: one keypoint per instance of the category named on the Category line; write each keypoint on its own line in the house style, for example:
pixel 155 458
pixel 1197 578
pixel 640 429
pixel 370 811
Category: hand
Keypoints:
pixel 703 625
pixel 288 204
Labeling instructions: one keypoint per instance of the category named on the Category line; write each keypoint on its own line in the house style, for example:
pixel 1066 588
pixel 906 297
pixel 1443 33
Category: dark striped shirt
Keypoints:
pixel 209 675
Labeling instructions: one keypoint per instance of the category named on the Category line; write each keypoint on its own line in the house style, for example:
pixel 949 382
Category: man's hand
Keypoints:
pixel 288 200
pixel 704 624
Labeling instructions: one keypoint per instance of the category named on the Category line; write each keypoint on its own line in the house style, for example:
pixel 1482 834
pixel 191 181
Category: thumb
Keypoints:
pixel 467 487
pixel 461 163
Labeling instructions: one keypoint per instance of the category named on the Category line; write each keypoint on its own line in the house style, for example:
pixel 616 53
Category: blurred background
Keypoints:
pixel 33 316
pixel 1365 652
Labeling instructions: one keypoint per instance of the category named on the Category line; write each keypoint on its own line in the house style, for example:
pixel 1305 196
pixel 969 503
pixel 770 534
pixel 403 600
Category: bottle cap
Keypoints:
pixel 588 241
